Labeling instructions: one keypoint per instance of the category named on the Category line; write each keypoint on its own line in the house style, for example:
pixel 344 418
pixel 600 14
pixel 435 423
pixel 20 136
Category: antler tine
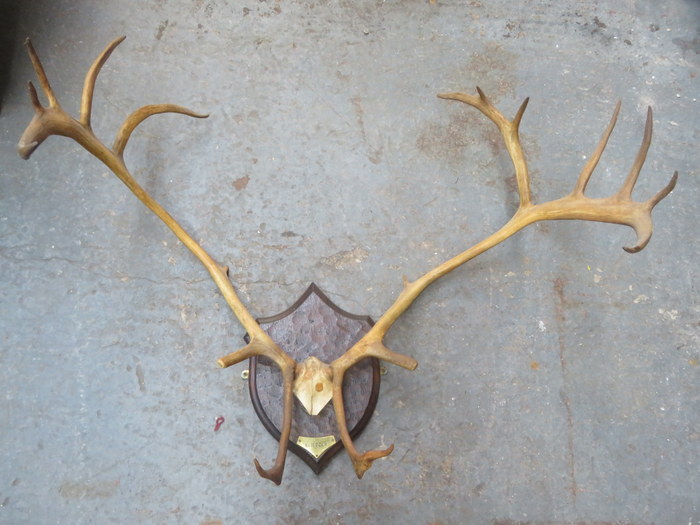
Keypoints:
pixel 519 114
pixel 142 114
pixel 41 75
pixel 91 77
pixel 590 166
pixel 664 192
pixel 626 190
pixel 257 347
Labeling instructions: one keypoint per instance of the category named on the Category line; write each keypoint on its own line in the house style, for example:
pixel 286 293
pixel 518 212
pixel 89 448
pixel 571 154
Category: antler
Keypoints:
pixel 53 120
pixel 618 209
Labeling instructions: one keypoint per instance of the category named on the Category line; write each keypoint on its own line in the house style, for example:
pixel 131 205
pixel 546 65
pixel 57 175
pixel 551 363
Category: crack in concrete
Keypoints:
pixel 80 264
pixel 560 315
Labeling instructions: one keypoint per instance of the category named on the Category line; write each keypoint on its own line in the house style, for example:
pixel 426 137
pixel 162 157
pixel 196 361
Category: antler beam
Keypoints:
pixel 53 120
pixel 618 209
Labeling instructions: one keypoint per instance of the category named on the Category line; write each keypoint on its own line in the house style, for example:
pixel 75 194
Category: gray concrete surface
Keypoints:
pixel 559 378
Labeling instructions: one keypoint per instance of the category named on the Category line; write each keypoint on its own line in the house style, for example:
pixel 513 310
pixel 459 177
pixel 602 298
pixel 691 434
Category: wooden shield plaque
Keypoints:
pixel 314 326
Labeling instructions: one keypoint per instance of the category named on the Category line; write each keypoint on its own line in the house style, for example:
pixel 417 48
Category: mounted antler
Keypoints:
pixel 53 120
pixel 618 209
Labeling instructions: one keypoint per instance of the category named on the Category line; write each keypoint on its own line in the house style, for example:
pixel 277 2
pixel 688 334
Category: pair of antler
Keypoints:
pixel 619 208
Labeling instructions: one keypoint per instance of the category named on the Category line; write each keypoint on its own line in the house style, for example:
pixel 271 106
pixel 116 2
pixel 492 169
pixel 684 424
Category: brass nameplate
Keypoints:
pixel 316 446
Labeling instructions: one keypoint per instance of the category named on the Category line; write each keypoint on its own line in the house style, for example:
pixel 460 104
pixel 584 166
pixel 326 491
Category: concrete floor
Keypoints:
pixel 559 377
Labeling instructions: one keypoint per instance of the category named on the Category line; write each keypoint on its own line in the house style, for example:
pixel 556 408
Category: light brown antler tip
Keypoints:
pixel 643 239
pixel 462 97
pixel 664 192
pixel 669 187
pixel 114 43
pixel 25 150
pixel 521 111
pixel 364 462
pixel 451 96
pixel 274 474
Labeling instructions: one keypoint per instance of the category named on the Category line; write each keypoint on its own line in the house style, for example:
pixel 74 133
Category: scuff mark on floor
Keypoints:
pixel 345 258
pixel 560 316
pixel 140 376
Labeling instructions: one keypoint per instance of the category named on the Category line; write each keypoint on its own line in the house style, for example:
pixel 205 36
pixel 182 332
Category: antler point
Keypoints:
pixel 275 477
pixel 34 97
pixel 25 150
pixel 651 203
pixel 521 112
